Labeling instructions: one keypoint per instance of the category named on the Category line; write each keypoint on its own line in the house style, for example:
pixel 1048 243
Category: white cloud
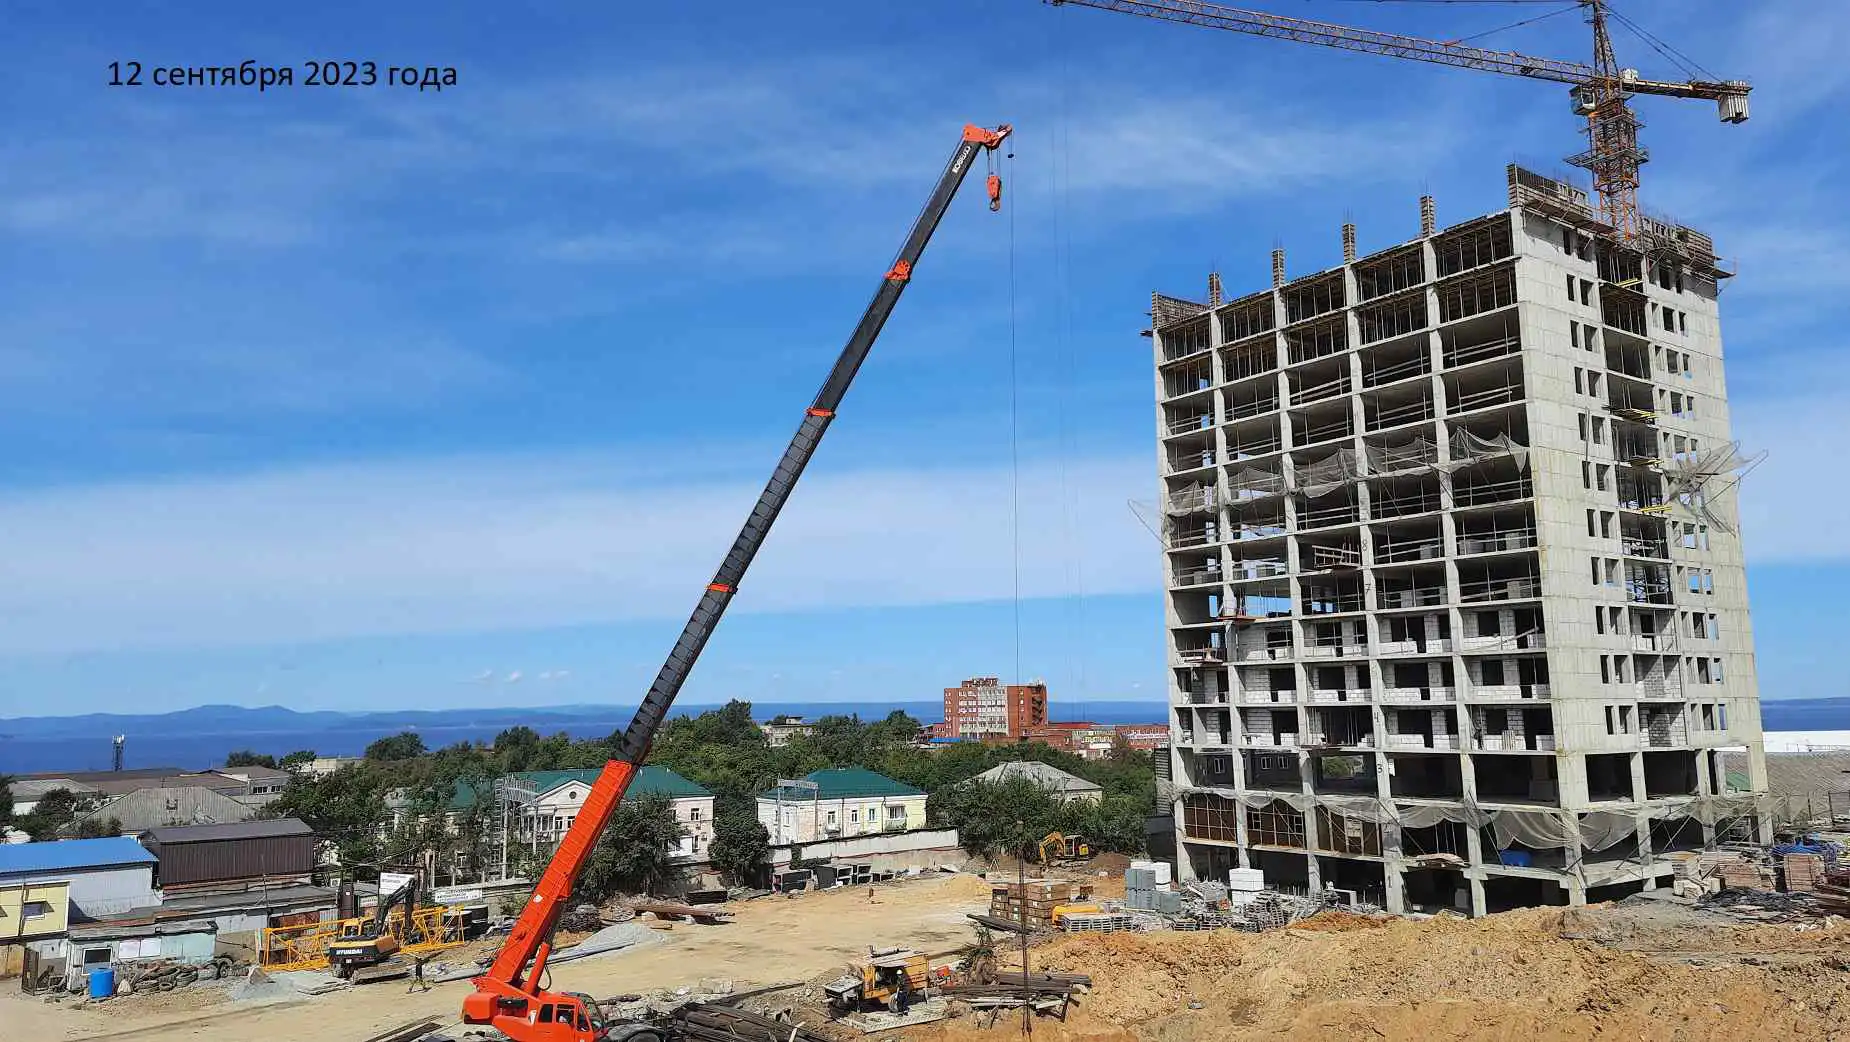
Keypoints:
pixel 465 545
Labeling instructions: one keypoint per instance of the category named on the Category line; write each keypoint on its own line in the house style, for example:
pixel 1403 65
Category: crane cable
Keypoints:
pixel 1014 435
pixel 1061 178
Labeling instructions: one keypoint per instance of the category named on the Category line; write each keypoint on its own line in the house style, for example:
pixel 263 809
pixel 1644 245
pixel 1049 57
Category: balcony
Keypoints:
pixel 1411 597
pixel 1203 697
pixel 1272 740
pixel 1282 696
pixel 1430 646
pixel 1491 492
pixel 1390 551
pixel 1196 499
pixel 1257 652
pixel 1246 571
pixel 1338 696
pixel 1509 692
pixel 1203 575
pixel 1416 696
pixel 1513 588
pixel 1495 541
pixel 1403 742
pixel 1342 512
pixel 1346 649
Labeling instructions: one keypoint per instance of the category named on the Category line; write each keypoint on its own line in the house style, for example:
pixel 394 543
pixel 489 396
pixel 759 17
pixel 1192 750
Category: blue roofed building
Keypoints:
pixel 106 876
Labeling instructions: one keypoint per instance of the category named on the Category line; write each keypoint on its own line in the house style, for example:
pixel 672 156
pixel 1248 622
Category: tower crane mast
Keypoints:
pixel 1601 91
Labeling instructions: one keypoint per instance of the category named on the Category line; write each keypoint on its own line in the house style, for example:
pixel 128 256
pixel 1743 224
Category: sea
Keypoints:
pixel 198 738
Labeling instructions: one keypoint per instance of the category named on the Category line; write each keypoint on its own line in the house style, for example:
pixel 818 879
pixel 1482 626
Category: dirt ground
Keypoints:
pixel 772 940
pixel 1634 972
pixel 1644 970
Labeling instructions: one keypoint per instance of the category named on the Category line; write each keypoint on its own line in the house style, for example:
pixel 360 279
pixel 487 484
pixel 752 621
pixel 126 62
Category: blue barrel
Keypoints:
pixel 102 982
pixel 1516 858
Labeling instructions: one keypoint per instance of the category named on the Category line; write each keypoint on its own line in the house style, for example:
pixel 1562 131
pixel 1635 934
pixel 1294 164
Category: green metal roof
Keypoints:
pixel 650 781
pixel 845 783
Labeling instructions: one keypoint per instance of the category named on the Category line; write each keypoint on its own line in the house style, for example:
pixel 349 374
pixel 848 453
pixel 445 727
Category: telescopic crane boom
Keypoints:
pixel 1601 91
pixel 510 995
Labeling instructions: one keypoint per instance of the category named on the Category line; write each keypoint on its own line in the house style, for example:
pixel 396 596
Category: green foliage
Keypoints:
pixel 247 758
pixel 405 745
pixel 297 758
pixel 741 846
pixel 53 811
pixel 6 801
pixel 93 828
pixel 636 853
pixel 346 808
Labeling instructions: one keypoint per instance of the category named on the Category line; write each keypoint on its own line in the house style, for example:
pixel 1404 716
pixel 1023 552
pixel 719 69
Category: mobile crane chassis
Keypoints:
pixel 511 995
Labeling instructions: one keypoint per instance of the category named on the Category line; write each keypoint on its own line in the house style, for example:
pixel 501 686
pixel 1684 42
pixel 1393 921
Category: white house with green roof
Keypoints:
pixel 558 796
pixel 840 803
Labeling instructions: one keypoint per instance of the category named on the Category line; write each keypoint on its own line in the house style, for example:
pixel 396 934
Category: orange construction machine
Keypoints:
pixel 511 996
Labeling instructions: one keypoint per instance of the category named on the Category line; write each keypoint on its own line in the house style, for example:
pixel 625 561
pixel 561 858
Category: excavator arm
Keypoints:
pixel 510 995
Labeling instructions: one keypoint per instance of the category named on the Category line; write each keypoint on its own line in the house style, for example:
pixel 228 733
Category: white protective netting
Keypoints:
pixel 1406 457
pixel 1254 483
pixel 1340 468
pixel 1469 448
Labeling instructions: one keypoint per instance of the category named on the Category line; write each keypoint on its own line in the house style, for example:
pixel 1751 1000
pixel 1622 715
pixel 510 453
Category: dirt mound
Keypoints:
pixel 1336 920
pixel 1540 975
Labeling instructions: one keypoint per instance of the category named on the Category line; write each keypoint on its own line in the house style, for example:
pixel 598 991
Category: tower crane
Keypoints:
pixel 512 995
pixel 1601 92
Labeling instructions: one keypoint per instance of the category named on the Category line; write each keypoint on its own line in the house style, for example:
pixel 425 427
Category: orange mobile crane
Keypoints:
pixel 1601 91
pixel 511 996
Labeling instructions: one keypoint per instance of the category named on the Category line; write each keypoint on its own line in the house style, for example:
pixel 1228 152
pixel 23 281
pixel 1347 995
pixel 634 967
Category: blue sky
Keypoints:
pixel 348 398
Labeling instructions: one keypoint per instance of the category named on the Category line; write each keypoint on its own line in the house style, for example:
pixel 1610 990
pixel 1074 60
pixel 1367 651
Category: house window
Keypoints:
pixel 1489 623
pixel 831 819
pixel 693 813
pixel 34 909
pixel 1492 672
pixel 854 816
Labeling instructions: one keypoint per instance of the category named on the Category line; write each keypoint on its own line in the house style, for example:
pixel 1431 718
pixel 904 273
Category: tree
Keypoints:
pixel 405 745
pixel 636 854
pixel 346 807
pixel 296 759
pixel 1121 751
pixel 247 758
pixel 985 814
pixel 6 801
pixel 741 846
pixel 51 813
pixel 95 828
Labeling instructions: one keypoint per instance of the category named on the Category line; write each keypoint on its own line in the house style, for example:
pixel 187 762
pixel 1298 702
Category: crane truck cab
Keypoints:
pixel 567 1016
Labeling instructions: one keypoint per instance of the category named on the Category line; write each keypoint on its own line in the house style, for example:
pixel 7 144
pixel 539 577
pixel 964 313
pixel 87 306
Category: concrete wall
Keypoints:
pixel 897 851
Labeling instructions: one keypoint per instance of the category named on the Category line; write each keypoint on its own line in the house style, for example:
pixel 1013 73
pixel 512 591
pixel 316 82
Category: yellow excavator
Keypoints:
pixel 1057 847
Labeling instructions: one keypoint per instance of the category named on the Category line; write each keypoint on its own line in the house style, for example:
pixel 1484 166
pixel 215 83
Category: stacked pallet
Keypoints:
pixel 1031 900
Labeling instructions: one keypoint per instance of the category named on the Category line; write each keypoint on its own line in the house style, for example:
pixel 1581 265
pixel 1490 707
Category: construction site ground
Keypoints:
pixel 1639 970
pixel 771 940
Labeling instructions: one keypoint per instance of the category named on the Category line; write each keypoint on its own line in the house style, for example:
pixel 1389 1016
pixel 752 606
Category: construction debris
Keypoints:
pixel 711 1022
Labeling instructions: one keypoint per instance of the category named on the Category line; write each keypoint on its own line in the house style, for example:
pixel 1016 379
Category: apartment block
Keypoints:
pixel 1456 611
pixel 985 707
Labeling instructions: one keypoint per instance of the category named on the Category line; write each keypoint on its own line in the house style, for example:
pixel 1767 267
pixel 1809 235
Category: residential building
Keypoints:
pixel 840 803
pixel 1456 609
pixel 985 707
pixel 1068 787
pixel 254 786
pixel 33 918
pixel 558 796
pixel 105 876
pixel 780 729
pixel 27 792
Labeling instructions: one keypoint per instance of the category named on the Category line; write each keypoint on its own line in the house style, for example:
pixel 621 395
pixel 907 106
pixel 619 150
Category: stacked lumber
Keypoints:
pixel 708 1022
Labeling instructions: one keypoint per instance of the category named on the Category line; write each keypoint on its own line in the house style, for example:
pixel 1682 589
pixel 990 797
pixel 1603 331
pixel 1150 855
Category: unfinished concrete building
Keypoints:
pixel 1457 617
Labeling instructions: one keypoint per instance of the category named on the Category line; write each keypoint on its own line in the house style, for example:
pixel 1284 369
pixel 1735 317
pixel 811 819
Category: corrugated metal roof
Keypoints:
pixel 72 854
pixel 847 783
pixel 1044 775
pixel 147 809
pixel 230 830
pixel 33 788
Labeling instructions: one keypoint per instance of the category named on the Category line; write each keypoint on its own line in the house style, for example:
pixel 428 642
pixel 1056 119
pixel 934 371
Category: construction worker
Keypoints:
pixel 418 983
